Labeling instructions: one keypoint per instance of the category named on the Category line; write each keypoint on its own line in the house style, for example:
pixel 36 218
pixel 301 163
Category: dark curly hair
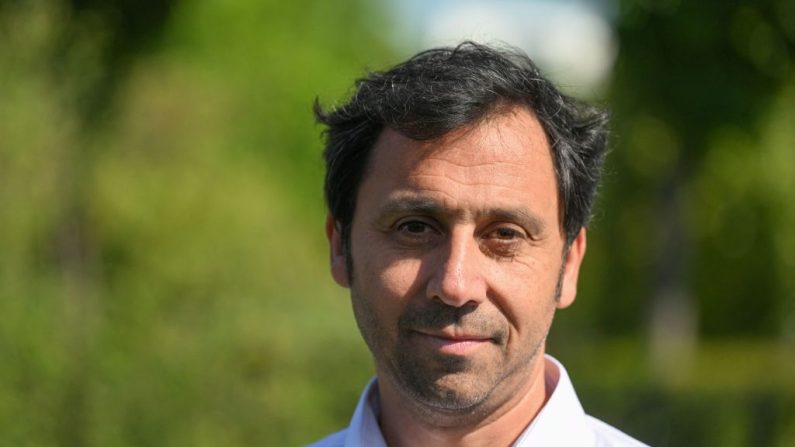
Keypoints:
pixel 443 89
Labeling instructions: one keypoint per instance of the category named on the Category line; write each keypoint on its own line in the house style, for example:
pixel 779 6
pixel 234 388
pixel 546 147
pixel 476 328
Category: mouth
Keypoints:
pixel 453 344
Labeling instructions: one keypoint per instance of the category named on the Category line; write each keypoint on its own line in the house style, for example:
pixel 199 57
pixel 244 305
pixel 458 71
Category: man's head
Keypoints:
pixel 443 89
pixel 458 186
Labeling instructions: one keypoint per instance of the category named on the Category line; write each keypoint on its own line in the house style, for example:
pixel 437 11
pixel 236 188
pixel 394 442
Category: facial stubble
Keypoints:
pixel 450 384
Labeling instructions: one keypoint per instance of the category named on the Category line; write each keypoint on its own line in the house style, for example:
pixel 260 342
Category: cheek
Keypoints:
pixel 525 293
pixel 387 284
pixel 397 279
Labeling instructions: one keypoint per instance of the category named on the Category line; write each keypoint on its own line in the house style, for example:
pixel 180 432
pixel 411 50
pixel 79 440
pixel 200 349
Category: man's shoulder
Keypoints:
pixel 609 436
pixel 334 440
pixel 605 436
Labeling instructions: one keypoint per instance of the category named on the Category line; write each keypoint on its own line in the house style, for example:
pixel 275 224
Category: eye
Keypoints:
pixel 504 240
pixel 505 234
pixel 416 232
pixel 414 227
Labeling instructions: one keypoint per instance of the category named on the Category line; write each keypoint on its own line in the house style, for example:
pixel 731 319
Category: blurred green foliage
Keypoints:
pixel 163 275
pixel 702 96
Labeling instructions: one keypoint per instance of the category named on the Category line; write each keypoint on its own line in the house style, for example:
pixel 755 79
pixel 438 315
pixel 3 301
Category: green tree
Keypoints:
pixel 161 224
pixel 693 90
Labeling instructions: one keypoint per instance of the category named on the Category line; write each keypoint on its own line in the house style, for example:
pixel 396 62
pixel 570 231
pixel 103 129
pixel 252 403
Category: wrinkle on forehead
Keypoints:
pixel 501 157
pixel 481 129
pixel 489 131
pixel 495 144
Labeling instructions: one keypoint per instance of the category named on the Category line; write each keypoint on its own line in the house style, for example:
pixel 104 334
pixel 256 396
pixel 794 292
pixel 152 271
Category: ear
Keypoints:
pixel 571 270
pixel 339 269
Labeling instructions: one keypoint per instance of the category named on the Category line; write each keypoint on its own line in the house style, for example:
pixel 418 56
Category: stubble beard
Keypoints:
pixel 447 384
pixel 441 383
pixel 414 379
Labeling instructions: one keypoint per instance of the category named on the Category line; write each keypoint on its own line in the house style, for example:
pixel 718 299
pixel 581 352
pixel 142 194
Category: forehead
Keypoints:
pixel 504 158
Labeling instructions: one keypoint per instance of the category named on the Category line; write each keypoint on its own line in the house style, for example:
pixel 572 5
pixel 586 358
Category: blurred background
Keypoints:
pixel 163 269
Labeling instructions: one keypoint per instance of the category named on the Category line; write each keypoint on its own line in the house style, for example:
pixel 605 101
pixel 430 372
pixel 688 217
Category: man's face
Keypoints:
pixel 458 261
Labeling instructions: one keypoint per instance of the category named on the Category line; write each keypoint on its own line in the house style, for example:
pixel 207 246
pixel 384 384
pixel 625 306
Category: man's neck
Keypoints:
pixel 404 422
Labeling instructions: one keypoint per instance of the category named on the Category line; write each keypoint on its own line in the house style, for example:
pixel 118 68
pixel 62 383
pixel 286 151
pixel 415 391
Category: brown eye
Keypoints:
pixel 416 232
pixel 503 241
pixel 506 233
pixel 414 227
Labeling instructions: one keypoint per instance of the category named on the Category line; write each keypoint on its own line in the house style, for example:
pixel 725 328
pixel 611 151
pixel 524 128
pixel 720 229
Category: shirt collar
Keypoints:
pixel 561 421
pixel 364 430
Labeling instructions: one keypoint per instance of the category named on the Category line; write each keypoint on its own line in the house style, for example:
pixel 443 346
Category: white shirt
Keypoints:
pixel 562 421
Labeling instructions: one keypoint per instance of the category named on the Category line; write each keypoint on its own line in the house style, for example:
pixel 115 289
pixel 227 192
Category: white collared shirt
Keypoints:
pixel 562 421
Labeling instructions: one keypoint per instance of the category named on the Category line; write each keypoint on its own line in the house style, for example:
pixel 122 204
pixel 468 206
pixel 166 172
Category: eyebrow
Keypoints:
pixel 416 204
pixel 404 204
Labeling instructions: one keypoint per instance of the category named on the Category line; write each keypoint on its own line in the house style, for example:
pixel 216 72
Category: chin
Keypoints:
pixel 458 392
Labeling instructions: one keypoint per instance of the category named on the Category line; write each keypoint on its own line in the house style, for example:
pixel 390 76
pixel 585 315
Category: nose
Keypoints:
pixel 457 277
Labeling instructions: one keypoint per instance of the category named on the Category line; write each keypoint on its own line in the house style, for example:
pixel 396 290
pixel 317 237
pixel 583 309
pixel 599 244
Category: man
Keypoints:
pixel 459 184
